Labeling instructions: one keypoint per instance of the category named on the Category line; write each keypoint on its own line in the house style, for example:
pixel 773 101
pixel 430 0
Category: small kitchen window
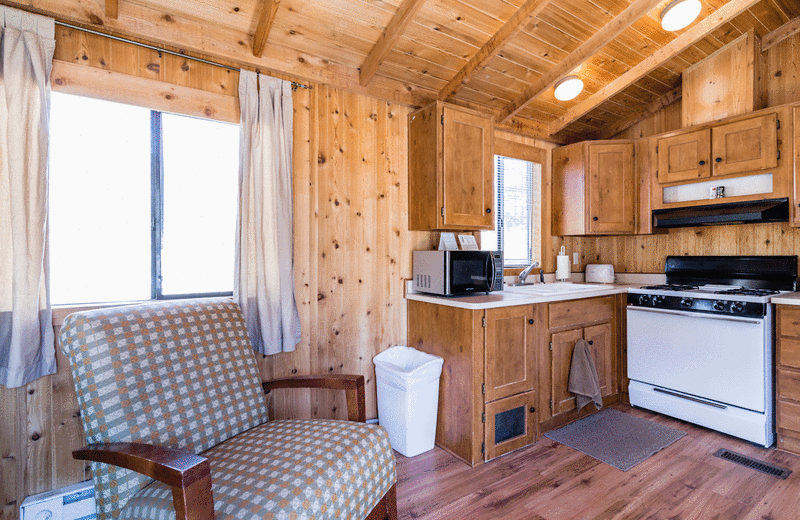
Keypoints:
pixel 142 203
pixel 517 181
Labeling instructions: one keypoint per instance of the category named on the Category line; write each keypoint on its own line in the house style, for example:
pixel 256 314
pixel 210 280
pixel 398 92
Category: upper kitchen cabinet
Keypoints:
pixel 450 176
pixel 684 156
pixel 594 188
pixel 742 146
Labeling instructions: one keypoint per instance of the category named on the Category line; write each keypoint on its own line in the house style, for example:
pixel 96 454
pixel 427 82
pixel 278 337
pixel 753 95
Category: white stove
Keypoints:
pixel 700 347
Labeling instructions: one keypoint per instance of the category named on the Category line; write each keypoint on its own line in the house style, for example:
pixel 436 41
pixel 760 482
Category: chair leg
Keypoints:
pixel 386 509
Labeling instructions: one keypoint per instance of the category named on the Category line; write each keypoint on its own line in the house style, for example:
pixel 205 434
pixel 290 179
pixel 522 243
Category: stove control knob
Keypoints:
pixel 686 303
pixel 658 299
pixel 644 299
pixel 719 305
pixel 737 307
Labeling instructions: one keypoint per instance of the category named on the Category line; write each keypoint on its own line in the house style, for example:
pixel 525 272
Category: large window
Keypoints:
pixel 518 215
pixel 142 203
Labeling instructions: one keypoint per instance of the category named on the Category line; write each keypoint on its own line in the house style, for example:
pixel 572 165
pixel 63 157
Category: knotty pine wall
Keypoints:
pixel 352 250
pixel 646 253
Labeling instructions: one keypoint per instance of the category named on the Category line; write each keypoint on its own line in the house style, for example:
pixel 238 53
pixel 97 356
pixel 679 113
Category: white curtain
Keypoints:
pixel 264 278
pixel 27 43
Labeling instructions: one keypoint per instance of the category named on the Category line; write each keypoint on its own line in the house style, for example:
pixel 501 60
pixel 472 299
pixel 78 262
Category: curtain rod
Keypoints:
pixel 159 49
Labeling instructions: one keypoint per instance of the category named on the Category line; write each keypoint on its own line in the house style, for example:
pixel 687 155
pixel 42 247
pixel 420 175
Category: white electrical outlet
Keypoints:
pixel 576 258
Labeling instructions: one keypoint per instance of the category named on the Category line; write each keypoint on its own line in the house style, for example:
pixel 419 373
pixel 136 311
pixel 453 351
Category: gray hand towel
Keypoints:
pixel 583 380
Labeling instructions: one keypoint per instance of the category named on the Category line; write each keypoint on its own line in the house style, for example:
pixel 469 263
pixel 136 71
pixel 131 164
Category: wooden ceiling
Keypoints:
pixel 498 56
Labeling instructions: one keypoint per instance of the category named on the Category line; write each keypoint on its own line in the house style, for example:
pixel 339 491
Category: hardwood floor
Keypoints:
pixel 551 481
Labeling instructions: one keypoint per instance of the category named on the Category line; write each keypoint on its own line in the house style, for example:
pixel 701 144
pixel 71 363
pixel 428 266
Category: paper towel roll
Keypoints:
pixel 562 267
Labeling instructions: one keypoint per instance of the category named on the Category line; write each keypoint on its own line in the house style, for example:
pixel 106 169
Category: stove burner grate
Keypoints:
pixel 671 287
pixel 748 292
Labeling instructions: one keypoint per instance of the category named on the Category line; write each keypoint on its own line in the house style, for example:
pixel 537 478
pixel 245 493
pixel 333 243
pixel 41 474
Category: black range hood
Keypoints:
pixel 750 212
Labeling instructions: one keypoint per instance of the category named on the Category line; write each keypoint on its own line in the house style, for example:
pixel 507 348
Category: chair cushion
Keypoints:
pixel 178 374
pixel 303 469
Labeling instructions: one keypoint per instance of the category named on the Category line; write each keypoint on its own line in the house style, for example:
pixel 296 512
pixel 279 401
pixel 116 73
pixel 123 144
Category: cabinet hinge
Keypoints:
pixel 779 124
pixel 442 210
pixel 656 148
pixel 551 346
pixel 483 417
pixel 483 447
pixel 442 118
pixel 779 155
pixel 483 388
pixel 483 322
pixel 551 404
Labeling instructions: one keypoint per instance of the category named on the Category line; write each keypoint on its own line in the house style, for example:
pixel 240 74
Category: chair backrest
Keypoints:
pixel 180 374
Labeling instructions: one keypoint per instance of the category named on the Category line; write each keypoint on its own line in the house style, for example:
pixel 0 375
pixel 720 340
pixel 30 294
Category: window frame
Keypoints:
pixel 524 152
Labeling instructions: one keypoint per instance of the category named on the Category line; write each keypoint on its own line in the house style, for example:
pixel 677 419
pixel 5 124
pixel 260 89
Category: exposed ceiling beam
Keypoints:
pixel 697 32
pixel 112 9
pixel 511 28
pixel 265 20
pixel 405 13
pixel 667 99
pixel 588 48
pixel 786 30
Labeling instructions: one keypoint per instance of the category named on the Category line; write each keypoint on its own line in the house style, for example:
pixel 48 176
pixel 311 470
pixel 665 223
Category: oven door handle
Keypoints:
pixel 756 321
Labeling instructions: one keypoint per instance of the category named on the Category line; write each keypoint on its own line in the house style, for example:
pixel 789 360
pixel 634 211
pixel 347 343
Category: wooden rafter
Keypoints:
pixel 786 30
pixel 112 9
pixel 667 99
pixel 697 32
pixel 404 15
pixel 511 28
pixel 588 48
pixel 265 21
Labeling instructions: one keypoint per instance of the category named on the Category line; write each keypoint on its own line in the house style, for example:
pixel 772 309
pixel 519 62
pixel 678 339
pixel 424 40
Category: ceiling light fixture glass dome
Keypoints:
pixel 679 13
pixel 568 88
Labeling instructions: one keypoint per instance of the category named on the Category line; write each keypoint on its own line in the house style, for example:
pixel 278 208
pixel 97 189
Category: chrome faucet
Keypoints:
pixel 524 274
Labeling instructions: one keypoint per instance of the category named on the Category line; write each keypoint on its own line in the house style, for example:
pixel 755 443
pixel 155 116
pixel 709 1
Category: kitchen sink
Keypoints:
pixel 552 288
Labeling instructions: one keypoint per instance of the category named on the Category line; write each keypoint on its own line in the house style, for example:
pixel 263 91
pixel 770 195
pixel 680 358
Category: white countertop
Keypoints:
pixel 787 299
pixel 509 298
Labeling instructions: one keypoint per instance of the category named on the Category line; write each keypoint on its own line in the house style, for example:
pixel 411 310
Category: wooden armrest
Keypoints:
pixel 188 475
pixel 353 385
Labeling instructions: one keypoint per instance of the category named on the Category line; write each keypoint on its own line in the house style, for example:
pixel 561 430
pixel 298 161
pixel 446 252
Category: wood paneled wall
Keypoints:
pixel 646 253
pixel 352 254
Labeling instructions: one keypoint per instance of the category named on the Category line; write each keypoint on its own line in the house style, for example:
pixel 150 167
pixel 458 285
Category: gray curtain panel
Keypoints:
pixel 27 351
pixel 264 277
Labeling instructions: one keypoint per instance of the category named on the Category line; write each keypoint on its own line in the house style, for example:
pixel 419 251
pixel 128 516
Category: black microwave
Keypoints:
pixel 457 273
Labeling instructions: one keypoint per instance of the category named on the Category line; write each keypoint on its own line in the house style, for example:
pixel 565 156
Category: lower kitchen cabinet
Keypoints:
pixel 595 320
pixel 788 378
pixel 487 396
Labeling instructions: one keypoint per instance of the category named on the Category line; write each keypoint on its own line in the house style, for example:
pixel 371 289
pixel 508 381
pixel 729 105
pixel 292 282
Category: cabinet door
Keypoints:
pixel 601 341
pixel 467 174
pixel 563 345
pixel 796 169
pixel 612 208
pixel 510 424
pixel 684 157
pixel 746 145
pixel 509 356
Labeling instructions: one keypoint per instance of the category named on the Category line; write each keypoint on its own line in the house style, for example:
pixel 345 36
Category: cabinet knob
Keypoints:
pixel 530 321
pixel 594 218
pixel 702 163
pixel 718 159
pixel 488 210
pixel 533 409
pixel 591 342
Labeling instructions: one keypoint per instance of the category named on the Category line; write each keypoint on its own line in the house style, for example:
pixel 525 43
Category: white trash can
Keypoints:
pixel 408 397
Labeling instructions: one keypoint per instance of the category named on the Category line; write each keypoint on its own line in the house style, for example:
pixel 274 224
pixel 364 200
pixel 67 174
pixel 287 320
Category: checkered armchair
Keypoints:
pixel 176 423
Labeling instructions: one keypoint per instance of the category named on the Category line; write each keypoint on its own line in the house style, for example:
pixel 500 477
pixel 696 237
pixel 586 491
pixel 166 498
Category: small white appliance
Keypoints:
pixel 74 502
pixel 599 273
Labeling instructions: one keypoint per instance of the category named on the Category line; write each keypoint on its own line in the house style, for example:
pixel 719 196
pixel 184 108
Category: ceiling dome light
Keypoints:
pixel 679 13
pixel 568 88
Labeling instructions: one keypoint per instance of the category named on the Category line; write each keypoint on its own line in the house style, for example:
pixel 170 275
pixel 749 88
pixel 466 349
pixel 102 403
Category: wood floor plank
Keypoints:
pixel 550 481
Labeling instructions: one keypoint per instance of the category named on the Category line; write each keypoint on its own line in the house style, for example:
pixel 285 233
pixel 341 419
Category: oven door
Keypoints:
pixel 720 358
